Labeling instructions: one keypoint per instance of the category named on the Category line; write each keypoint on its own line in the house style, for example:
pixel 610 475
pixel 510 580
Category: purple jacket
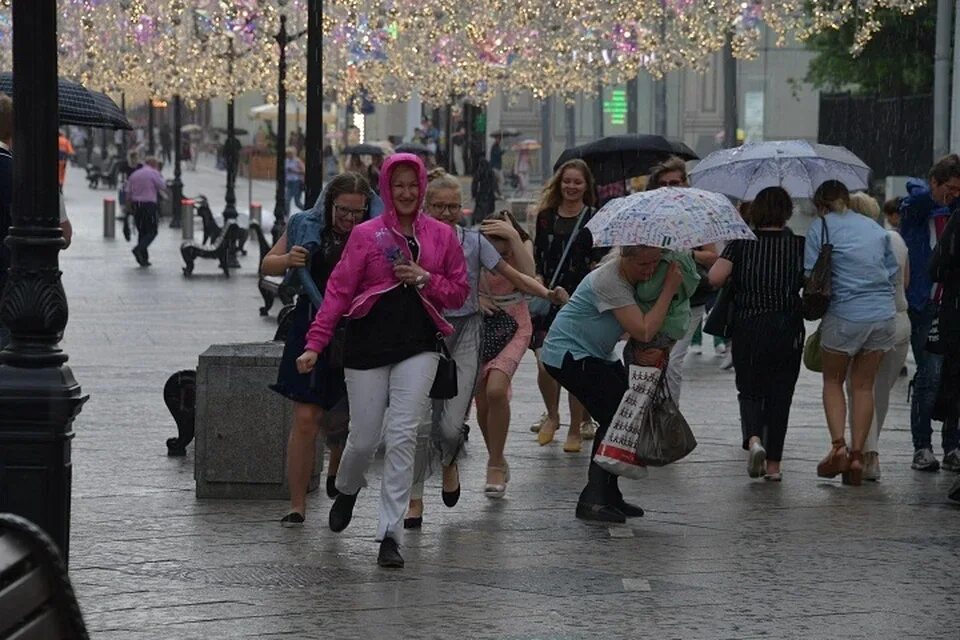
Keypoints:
pixel 365 271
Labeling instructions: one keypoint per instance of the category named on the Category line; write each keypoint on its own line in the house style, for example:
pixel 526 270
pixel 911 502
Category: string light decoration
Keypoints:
pixel 384 50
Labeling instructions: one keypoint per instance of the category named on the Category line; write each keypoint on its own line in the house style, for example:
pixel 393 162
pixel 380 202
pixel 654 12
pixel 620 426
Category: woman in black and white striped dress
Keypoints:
pixel 768 332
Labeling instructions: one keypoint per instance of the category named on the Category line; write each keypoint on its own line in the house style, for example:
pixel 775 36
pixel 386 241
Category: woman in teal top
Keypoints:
pixel 859 325
pixel 579 354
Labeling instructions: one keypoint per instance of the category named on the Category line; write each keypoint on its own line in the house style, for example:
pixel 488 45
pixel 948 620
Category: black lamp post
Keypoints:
pixel 280 207
pixel 231 149
pixel 314 164
pixel 151 147
pixel 176 187
pixel 39 397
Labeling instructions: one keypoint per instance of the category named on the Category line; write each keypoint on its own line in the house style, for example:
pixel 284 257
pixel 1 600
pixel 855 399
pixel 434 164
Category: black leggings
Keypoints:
pixel 767 351
pixel 599 385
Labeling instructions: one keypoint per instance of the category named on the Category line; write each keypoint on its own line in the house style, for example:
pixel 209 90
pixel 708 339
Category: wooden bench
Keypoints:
pixel 271 287
pixel 37 601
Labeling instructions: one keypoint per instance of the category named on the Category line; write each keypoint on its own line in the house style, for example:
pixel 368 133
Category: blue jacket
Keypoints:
pixel 304 229
pixel 916 212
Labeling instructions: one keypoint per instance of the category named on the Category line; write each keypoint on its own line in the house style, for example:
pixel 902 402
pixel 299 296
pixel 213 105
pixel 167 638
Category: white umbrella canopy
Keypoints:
pixel 796 165
pixel 269 112
pixel 676 218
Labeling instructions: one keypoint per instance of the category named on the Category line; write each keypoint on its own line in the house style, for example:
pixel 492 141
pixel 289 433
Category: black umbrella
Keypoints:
pixel 618 158
pixel 80 106
pixel 412 147
pixel 505 133
pixel 364 150
pixel 237 131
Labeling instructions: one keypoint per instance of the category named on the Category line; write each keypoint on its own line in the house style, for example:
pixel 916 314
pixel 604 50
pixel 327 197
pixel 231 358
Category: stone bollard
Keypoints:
pixel 109 218
pixel 186 218
pixel 256 212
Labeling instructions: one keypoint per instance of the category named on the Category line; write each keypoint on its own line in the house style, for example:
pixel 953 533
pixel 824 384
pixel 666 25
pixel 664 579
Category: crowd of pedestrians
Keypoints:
pixel 425 320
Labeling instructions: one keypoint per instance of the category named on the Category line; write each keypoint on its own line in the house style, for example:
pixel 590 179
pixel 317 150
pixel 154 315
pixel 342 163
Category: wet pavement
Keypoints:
pixel 716 556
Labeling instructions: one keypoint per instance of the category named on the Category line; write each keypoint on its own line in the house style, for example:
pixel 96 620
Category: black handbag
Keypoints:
pixel 665 435
pixel 819 286
pixel 498 330
pixel 720 321
pixel 445 382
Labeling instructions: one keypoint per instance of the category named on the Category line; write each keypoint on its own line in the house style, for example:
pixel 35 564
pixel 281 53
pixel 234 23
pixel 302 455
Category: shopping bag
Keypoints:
pixel 617 452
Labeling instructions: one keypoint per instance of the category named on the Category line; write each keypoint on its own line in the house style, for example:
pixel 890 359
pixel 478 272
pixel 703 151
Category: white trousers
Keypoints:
pixel 887 374
pixel 679 353
pixel 405 386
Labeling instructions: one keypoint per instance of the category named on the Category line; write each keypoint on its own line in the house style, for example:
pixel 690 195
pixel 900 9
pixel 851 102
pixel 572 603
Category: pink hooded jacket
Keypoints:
pixel 365 272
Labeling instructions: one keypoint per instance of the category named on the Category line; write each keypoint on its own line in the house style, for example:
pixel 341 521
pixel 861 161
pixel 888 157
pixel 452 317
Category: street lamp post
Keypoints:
pixel 231 148
pixel 314 164
pixel 280 207
pixel 176 188
pixel 39 397
pixel 151 148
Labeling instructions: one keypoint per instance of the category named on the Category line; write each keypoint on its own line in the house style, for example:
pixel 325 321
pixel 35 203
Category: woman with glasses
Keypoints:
pixel 673 173
pixel 314 240
pixel 441 434
pixel 565 208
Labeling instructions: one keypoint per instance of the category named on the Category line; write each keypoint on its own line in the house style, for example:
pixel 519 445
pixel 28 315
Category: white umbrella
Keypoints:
pixel 269 112
pixel 796 165
pixel 675 218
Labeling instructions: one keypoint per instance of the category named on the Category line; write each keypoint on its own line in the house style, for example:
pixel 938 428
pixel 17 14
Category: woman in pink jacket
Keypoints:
pixel 397 275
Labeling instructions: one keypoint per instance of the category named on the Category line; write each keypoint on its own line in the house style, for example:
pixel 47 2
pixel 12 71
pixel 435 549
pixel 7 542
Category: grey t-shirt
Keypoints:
pixel 612 291
pixel 477 252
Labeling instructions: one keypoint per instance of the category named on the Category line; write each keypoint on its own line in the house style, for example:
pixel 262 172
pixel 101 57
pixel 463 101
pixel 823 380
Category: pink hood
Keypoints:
pixel 365 271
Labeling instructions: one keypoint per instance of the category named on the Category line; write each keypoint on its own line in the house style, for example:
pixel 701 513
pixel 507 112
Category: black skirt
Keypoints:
pixel 324 386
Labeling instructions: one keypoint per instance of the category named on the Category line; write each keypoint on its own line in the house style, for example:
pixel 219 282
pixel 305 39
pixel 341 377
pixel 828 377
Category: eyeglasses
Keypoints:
pixel 346 212
pixel 449 208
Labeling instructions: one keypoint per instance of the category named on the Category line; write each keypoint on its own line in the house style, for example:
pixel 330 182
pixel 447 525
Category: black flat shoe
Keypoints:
pixel 629 510
pixel 292 520
pixel 342 511
pixel 413 523
pixel 450 498
pixel 599 513
pixel 389 556
pixel 332 487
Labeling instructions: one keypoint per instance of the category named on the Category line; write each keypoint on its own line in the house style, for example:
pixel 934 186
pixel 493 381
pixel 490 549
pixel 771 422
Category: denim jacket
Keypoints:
pixel 304 229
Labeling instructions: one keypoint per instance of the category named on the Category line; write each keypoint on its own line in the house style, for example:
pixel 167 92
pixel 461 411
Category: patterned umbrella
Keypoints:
pixel 796 165
pixel 80 106
pixel 675 218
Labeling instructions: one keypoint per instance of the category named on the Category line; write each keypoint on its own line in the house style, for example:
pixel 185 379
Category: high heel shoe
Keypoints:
pixel 854 474
pixel 836 462
pixel 497 491
pixel 545 435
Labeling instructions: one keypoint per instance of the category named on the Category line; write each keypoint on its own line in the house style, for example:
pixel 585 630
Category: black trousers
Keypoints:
pixel 599 385
pixel 145 217
pixel 767 351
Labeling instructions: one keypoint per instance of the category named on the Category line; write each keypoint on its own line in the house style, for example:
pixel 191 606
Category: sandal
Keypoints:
pixel 854 474
pixel 836 462
pixel 573 443
pixel 496 491
pixel 535 427
pixel 588 429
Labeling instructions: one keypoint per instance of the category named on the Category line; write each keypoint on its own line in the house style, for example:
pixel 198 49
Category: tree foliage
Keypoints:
pixel 897 61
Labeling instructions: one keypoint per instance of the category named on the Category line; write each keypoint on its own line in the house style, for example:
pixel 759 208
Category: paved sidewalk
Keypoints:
pixel 716 556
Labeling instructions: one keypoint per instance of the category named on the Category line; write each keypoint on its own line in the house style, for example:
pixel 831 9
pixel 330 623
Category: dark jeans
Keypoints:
pixel 926 383
pixel 767 351
pixel 600 386
pixel 145 217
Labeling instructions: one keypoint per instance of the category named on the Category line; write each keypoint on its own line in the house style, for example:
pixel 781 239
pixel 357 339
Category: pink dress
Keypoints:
pixel 508 360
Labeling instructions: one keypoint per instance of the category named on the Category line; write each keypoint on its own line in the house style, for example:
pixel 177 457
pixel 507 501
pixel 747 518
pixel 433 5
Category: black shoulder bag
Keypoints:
pixel 819 287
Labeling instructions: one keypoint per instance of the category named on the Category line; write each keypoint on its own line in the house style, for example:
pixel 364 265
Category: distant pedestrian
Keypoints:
pixel 294 172
pixel 314 240
pixel 398 274
pixel 484 191
pixel 144 190
pixel 166 143
pixel 859 325
pixel 766 275
pixel 496 159
pixel 65 153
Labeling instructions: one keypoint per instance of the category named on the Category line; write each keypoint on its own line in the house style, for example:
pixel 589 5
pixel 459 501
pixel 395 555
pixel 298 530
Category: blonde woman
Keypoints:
pixel 892 361
pixel 859 326
pixel 566 206
pixel 441 433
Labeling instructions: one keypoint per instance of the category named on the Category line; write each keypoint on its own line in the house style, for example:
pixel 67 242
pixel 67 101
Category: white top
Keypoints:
pixel 901 253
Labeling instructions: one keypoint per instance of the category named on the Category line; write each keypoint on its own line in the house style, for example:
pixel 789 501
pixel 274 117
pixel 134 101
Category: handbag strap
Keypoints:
pixel 824 232
pixel 566 249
